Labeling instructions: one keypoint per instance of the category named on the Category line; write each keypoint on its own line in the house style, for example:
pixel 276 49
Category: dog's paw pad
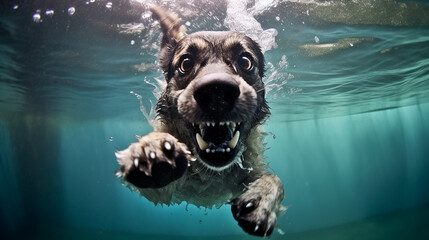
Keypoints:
pixel 253 217
pixel 153 162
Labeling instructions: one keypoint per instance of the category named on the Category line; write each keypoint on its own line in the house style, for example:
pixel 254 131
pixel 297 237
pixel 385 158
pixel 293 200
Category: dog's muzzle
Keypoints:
pixel 216 134
pixel 216 94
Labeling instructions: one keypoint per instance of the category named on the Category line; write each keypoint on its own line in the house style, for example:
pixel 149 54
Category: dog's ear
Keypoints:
pixel 172 32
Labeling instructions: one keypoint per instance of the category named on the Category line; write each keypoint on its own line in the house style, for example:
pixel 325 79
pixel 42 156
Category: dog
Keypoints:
pixel 208 147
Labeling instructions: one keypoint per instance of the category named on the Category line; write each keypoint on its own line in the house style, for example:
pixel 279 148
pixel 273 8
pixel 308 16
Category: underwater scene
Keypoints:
pixel 347 83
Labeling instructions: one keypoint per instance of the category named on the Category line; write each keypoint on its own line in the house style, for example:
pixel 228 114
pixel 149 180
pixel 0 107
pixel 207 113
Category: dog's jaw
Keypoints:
pixel 217 143
pixel 235 160
pixel 228 129
pixel 217 136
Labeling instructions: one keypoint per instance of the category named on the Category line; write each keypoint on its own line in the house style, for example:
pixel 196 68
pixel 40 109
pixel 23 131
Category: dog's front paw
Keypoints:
pixel 257 208
pixel 154 161
pixel 253 217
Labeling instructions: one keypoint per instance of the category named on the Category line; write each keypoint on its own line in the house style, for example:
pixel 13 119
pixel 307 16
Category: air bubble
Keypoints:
pixel 188 23
pixel 109 5
pixel 277 18
pixel 111 139
pixel 36 18
pixel 133 42
pixel 15 7
pixel 49 12
pixel 71 10
pixel 316 39
pixel 146 14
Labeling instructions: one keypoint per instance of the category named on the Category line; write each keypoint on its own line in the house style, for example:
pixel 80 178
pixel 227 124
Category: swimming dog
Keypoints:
pixel 208 147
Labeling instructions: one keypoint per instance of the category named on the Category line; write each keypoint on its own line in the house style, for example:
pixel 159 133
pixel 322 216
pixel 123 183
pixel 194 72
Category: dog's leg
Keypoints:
pixel 154 161
pixel 256 210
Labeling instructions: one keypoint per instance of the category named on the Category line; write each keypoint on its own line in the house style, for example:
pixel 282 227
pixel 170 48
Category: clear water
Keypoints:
pixel 348 86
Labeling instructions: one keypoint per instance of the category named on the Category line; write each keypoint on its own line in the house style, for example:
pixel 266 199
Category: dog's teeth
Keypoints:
pixel 222 123
pixel 213 124
pixel 233 142
pixel 201 143
pixel 227 123
pixel 213 150
pixel 228 149
pixel 256 228
pixel 233 125
pixel 136 162
pixel 201 125
pixel 207 150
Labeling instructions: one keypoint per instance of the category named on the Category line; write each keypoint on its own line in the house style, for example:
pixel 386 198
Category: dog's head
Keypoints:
pixel 214 89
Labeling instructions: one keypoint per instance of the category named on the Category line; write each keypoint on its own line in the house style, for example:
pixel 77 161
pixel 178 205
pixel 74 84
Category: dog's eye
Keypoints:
pixel 245 62
pixel 186 65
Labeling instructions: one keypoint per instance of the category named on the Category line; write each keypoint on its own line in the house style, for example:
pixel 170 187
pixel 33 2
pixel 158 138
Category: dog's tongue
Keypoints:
pixel 217 135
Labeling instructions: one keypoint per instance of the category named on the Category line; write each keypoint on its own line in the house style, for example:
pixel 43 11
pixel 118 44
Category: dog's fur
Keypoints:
pixel 214 90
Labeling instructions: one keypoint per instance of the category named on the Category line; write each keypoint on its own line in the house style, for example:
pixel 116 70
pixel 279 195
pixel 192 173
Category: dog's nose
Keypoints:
pixel 216 93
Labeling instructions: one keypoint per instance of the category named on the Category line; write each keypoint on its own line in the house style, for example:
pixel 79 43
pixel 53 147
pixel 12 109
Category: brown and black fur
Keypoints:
pixel 214 90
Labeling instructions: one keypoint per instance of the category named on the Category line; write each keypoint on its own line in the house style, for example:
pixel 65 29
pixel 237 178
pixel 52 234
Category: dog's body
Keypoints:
pixel 208 149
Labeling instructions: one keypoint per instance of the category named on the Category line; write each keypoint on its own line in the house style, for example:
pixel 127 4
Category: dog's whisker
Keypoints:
pixel 260 90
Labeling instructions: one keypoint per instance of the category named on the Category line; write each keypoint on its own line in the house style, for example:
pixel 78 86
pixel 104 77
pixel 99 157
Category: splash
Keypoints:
pixel 159 85
pixel 277 78
pixel 240 19
pixel 150 116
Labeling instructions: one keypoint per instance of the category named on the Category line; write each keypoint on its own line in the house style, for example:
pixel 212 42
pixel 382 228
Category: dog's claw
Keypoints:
pixel 167 146
pixel 256 228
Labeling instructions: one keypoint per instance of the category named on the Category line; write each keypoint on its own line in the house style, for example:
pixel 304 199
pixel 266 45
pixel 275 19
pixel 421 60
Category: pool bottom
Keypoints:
pixel 407 224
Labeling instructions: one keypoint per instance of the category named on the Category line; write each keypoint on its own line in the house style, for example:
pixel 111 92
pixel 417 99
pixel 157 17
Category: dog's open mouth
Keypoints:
pixel 217 142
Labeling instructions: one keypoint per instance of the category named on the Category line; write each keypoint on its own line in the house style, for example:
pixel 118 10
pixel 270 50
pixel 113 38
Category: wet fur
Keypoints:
pixel 254 193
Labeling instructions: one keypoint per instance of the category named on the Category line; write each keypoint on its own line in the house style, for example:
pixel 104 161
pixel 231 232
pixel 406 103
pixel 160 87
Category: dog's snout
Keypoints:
pixel 216 93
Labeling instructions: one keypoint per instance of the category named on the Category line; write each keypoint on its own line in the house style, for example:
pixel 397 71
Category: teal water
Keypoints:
pixel 348 86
